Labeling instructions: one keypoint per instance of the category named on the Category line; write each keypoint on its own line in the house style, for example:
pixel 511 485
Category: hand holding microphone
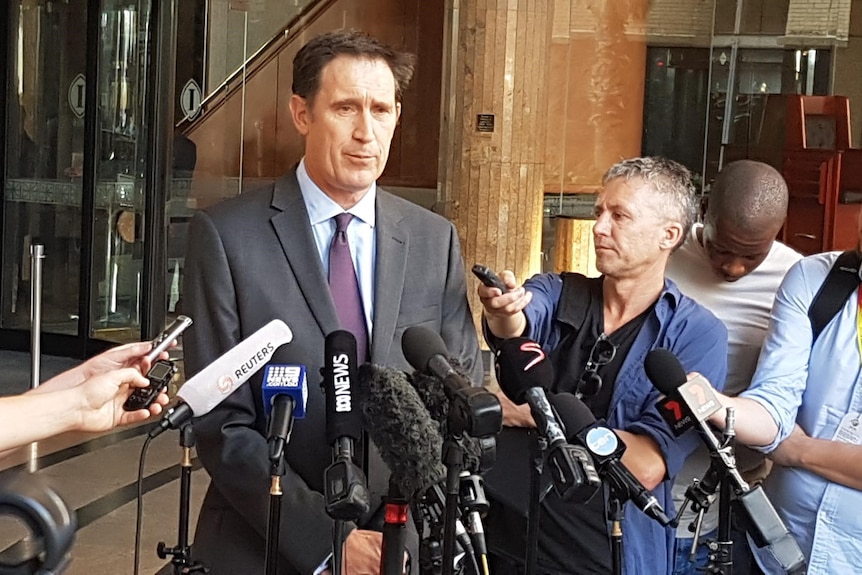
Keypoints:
pixel 698 402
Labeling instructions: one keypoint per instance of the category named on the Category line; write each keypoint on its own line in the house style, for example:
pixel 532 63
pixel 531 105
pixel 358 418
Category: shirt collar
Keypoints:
pixel 321 207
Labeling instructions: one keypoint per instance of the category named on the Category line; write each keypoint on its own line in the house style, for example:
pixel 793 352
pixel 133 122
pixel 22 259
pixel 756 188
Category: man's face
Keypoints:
pixel 348 126
pixel 631 236
pixel 734 253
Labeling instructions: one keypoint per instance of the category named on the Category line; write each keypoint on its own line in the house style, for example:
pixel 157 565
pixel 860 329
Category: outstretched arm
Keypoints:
pixel 96 404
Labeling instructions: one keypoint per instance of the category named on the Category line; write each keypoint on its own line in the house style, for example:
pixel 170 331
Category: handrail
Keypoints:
pixel 255 62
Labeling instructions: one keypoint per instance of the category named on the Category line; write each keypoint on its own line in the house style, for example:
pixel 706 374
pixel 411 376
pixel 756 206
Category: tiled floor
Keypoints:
pixel 96 476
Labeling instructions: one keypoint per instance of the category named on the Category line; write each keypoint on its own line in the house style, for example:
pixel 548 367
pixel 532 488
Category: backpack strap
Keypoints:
pixel 575 300
pixel 843 278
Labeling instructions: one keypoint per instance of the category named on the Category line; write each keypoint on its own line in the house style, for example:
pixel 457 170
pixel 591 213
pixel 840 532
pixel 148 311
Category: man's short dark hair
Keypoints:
pixel 752 196
pixel 316 54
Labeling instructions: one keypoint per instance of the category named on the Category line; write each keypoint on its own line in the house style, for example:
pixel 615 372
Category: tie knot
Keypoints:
pixel 342 221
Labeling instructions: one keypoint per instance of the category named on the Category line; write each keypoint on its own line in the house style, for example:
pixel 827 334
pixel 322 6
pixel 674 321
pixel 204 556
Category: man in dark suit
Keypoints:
pixel 266 254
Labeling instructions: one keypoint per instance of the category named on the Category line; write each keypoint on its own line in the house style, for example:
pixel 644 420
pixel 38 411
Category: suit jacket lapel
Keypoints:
pixel 294 233
pixel 389 278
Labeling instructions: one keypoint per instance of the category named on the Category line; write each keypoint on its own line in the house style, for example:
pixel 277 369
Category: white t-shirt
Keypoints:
pixel 744 307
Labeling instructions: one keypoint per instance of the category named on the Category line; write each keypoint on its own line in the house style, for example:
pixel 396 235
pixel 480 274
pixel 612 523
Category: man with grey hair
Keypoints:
pixel 733 266
pixel 597 332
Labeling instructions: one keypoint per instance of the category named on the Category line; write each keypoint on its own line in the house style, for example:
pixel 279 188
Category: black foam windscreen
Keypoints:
pixel 402 429
pixel 664 370
pixel 433 396
pixel 419 344
pixel 340 379
pixel 521 365
pixel 573 414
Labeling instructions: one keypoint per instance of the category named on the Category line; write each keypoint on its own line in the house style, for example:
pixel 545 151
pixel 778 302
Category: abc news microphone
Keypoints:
pixel 346 491
pixel 523 372
pixel 209 387
pixel 688 404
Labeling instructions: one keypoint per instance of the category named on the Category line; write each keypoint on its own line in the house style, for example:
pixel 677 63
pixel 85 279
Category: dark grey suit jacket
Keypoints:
pixel 252 259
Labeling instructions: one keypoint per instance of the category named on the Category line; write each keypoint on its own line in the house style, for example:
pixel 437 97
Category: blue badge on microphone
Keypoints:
pixel 602 441
pixel 288 380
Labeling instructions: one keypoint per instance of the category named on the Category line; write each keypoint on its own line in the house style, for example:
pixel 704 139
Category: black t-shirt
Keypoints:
pixel 590 550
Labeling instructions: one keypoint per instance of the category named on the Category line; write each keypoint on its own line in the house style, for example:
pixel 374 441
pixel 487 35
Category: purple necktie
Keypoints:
pixel 345 288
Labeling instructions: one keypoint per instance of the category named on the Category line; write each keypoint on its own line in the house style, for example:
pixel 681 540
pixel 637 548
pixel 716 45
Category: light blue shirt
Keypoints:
pixel 814 386
pixel 360 233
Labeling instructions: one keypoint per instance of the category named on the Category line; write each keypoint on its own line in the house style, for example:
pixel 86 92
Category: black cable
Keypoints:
pixel 139 515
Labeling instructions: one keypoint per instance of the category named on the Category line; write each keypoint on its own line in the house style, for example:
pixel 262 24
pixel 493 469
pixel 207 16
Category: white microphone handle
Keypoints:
pixel 222 377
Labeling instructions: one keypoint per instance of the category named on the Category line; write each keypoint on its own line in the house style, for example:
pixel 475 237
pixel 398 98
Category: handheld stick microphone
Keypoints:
pixel 409 444
pixel 699 402
pixel 200 394
pixel 285 395
pixel 472 410
pixel 606 449
pixel 345 486
pixel 523 372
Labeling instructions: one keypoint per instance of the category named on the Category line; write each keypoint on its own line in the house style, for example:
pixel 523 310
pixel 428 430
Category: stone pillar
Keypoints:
pixel 574 249
pixel 492 144
pixel 595 101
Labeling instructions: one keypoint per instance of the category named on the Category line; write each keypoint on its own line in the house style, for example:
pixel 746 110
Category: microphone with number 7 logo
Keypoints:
pixel 686 402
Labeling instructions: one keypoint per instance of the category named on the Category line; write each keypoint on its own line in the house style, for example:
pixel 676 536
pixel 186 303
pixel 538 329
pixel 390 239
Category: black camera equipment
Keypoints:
pixel 52 525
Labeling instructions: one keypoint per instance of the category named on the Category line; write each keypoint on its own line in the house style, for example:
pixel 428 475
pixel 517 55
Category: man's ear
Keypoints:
pixel 300 112
pixel 672 233
pixel 397 112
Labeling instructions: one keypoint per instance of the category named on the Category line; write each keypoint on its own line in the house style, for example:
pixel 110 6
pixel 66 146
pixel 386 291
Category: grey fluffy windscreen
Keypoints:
pixel 402 429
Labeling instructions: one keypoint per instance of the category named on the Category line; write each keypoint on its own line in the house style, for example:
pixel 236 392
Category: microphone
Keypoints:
pixel 480 453
pixel 345 488
pixel 285 395
pixel 523 371
pixel 472 410
pixel 402 430
pixel 606 449
pixel 409 444
pixel 209 387
pixel 699 402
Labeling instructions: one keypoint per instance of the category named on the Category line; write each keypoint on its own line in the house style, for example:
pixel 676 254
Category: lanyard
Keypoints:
pixel 859 320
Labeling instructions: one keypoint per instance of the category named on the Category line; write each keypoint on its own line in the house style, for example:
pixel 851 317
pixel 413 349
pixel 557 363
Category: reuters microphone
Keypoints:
pixel 210 386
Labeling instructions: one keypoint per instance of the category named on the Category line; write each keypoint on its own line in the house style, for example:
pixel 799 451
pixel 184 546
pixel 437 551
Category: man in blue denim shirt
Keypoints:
pixel 643 212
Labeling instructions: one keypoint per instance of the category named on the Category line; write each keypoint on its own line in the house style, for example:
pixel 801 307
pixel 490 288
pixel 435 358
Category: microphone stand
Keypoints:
pixel 394 532
pixel 476 412
pixel 453 459
pixel 278 468
pixel 474 505
pixel 721 557
pixel 181 553
pixel 533 515
pixel 616 512
pixel 346 495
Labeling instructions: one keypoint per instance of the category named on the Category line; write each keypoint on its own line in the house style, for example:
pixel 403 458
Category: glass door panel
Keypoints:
pixel 118 250
pixel 44 160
